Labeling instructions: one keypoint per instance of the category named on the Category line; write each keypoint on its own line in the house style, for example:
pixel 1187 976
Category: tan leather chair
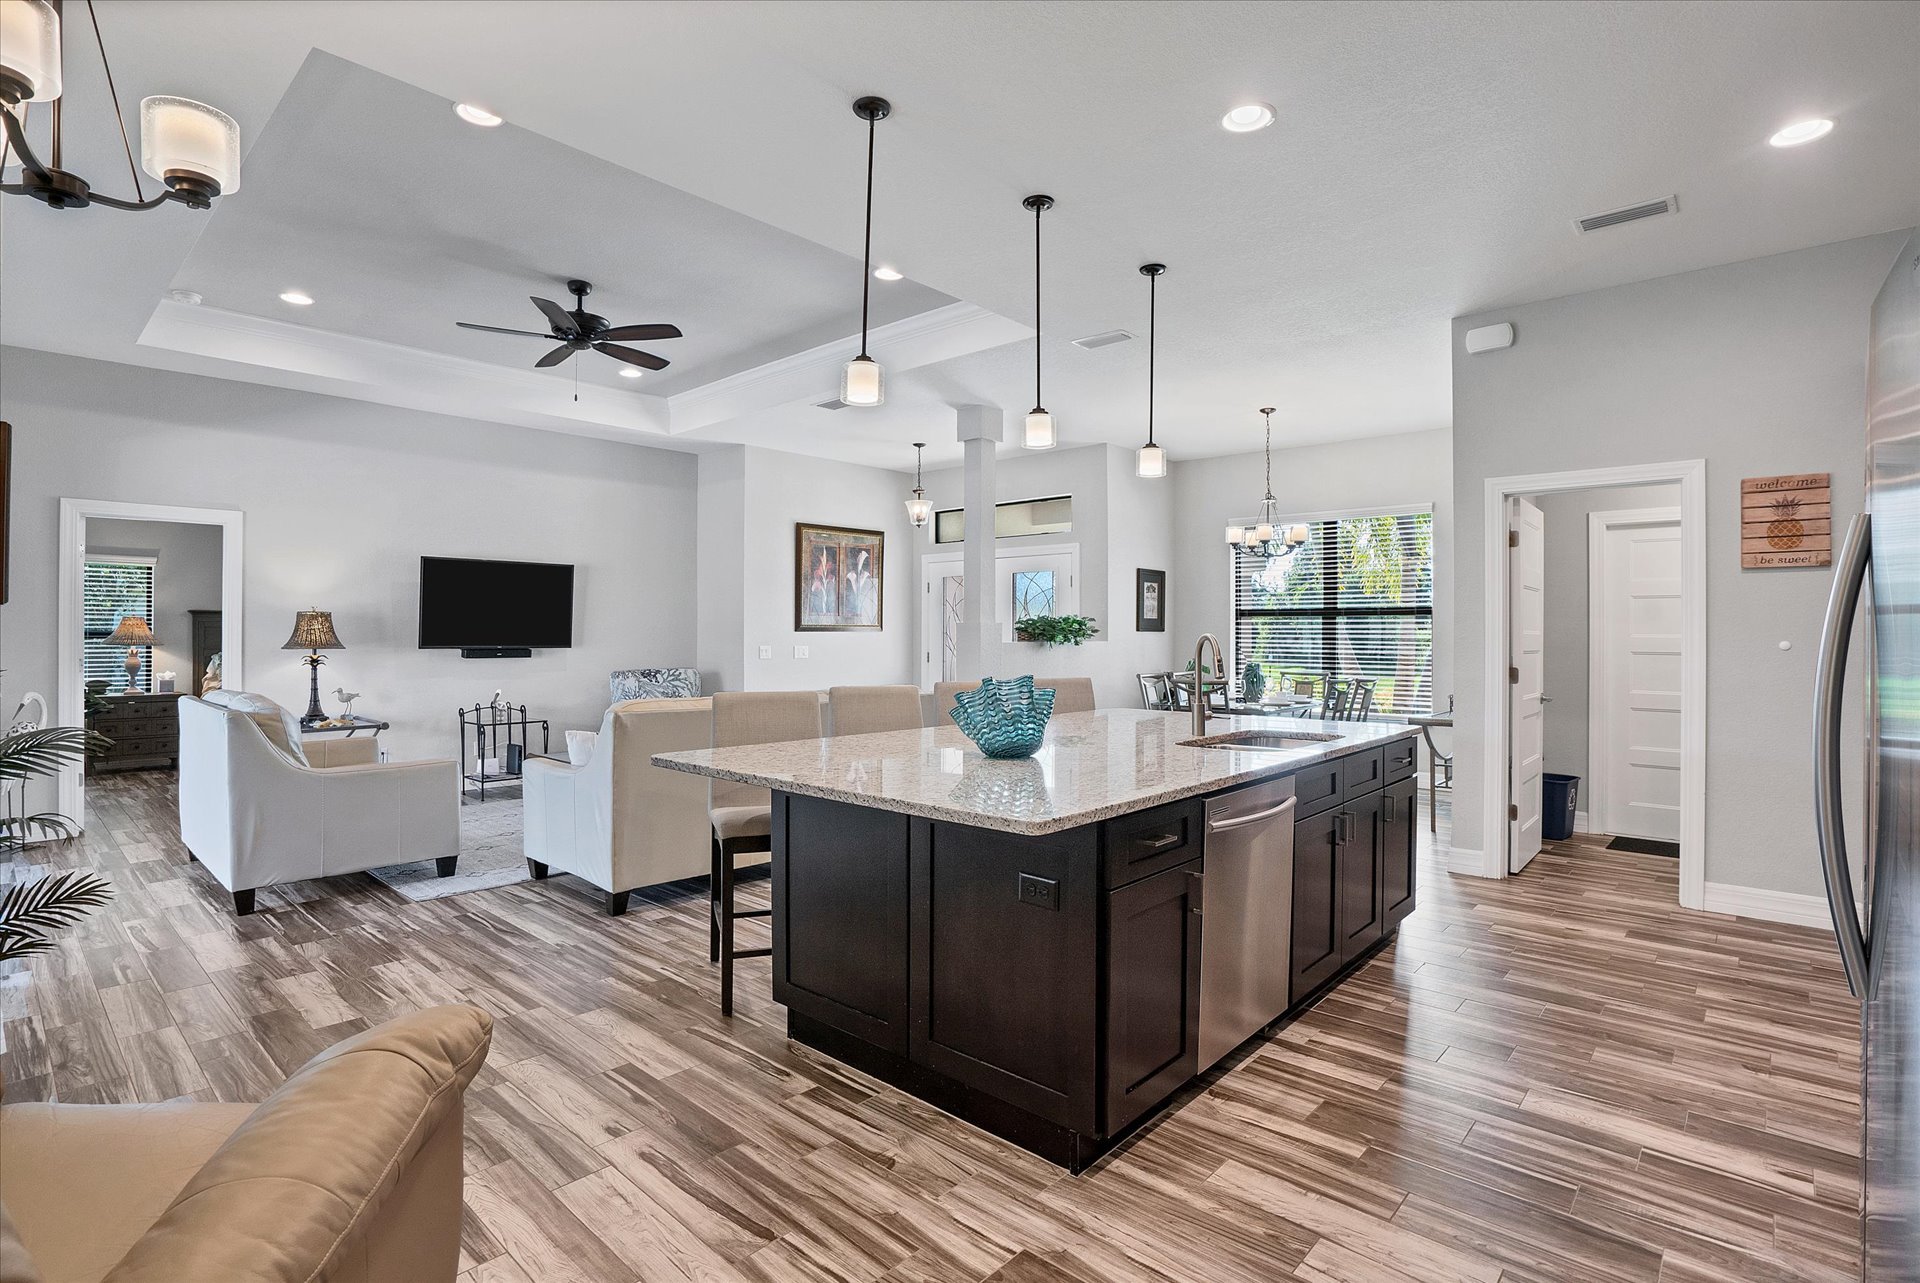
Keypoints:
pixel 742 814
pixel 864 710
pixel 1070 694
pixel 349 1173
pixel 616 819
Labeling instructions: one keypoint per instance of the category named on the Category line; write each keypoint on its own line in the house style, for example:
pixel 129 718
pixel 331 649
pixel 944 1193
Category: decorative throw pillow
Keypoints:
pixel 580 746
pixel 654 683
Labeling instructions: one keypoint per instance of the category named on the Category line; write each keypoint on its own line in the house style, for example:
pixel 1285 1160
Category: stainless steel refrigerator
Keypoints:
pixel 1880 563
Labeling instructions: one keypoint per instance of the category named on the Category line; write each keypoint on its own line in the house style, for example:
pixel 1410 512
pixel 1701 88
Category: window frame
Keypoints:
pixel 152 565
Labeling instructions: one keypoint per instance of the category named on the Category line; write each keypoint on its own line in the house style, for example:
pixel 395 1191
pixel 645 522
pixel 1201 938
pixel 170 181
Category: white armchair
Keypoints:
pixel 255 810
pixel 616 819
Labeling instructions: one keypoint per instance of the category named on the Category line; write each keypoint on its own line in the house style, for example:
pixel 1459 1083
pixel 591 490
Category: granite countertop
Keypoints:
pixel 1092 766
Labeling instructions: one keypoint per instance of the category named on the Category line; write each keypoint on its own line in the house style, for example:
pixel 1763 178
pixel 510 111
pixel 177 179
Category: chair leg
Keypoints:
pixel 536 870
pixel 243 902
pixel 713 905
pixel 445 865
pixel 617 902
pixel 726 930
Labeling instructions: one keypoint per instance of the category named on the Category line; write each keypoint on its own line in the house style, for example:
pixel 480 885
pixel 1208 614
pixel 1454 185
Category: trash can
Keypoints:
pixel 1560 798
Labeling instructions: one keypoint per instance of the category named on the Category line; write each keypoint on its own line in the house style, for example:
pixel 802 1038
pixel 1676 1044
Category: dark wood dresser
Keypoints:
pixel 145 730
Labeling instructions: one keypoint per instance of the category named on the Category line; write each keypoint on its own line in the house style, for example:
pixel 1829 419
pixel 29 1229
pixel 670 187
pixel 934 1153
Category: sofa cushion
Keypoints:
pixel 654 683
pixel 84 1182
pixel 280 727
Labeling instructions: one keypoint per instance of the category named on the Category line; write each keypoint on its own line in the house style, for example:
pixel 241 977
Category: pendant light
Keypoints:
pixel 1152 460
pixel 1265 538
pixel 1039 431
pixel 863 383
pixel 919 508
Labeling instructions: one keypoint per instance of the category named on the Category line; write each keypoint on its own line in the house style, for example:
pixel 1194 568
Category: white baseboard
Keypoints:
pixel 1768 906
pixel 1470 863
pixel 1580 822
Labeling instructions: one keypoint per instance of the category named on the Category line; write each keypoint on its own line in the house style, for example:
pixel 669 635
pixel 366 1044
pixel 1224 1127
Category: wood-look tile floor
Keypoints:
pixel 1559 1078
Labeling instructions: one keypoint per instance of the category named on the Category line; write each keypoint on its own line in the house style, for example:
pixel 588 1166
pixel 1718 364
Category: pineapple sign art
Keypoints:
pixel 1786 521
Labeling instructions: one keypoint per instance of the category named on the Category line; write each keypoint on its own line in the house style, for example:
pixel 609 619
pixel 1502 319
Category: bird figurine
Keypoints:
pixel 346 698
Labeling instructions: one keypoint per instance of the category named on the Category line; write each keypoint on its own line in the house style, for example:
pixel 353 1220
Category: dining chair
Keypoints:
pixel 1070 694
pixel 742 814
pixel 864 710
pixel 1156 691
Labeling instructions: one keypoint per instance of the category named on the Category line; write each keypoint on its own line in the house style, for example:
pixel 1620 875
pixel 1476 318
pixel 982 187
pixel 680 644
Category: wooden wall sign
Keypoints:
pixel 1786 521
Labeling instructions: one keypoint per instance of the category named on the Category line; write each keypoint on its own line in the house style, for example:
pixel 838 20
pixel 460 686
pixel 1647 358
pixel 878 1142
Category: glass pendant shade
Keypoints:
pixel 30 47
pixel 179 135
pixel 863 383
pixel 919 511
pixel 1296 535
pixel 1150 462
pixel 1039 433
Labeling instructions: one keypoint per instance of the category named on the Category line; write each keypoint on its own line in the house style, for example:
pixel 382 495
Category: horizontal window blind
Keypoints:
pixel 110 590
pixel 1356 600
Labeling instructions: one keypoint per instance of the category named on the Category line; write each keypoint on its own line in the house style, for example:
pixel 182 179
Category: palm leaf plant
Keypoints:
pixel 42 751
pixel 31 912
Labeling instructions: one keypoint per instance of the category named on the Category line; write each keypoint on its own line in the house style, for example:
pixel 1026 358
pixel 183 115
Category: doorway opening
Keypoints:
pixel 1596 615
pixel 1037 580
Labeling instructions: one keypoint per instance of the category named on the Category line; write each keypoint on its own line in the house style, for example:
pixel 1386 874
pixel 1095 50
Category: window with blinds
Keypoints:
pixel 110 590
pixel 1356 600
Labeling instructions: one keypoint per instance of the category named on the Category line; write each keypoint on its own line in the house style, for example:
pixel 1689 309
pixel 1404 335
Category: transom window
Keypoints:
pixel 1356 600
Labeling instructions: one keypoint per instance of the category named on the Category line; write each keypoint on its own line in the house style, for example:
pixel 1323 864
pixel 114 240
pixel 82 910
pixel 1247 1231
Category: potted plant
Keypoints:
pixel 31 912
pixel 1055 630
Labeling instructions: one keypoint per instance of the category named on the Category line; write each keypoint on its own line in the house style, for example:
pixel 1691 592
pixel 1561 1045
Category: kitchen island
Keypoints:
pixel 1034 945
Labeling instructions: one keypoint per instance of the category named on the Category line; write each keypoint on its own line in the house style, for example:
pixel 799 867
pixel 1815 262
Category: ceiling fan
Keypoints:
pixel 580 330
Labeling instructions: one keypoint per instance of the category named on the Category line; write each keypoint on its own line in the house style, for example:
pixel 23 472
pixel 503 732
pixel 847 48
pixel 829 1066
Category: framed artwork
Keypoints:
pixel 1150 601
pixel 1786 521
pixel 838 581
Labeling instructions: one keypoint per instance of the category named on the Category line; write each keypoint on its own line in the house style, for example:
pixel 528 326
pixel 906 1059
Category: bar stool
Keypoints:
pixel 742 814
pixel 864 710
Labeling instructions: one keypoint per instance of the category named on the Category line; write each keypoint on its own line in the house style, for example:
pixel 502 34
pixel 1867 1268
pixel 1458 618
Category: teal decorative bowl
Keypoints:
pixel 1005 718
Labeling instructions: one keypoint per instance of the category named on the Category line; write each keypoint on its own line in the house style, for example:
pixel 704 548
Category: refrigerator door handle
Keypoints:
pixel 1830 676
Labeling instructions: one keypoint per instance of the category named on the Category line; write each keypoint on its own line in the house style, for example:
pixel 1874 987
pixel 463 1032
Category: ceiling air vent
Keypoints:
pixel 1631 214
pixel 835 404
pixel 1108 339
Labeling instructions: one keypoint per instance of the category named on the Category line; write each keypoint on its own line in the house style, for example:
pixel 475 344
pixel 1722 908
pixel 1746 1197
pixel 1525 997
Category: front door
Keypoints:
pixel 1526 665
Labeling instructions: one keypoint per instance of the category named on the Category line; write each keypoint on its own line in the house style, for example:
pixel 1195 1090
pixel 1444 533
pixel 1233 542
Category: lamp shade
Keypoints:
pixel 1150 461
pixel 863 383
pixel 1039 430
pixel 132 631
pixel 919 511
pixel 313 630
pixel 30 48
pixel 180 136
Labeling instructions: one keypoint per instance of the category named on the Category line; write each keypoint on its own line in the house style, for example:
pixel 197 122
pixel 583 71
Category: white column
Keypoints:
pixel 979 429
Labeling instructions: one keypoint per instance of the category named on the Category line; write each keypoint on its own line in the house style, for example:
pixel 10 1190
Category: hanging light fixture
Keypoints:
pixel 863 383
pixel 1151 460
pixel 193 149
pixel 1265 538
pixel 919 508
pixel 1039 433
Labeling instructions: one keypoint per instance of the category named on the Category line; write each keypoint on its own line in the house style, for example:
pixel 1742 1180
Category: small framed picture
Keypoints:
pixel 1150 601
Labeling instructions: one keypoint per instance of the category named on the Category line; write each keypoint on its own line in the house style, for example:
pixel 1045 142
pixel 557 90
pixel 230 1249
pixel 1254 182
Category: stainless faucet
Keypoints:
pixel 1200 678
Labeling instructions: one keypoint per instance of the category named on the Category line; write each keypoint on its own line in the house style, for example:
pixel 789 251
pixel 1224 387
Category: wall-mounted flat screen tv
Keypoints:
pixel 468 604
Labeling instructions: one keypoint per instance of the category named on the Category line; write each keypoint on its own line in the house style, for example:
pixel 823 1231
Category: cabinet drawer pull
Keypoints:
pixel 1162 842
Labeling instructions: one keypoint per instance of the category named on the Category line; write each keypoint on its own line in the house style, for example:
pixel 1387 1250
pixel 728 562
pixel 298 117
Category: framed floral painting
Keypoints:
pixel 838 584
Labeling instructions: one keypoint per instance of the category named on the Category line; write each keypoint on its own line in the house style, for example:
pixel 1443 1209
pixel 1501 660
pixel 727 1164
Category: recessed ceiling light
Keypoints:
pixel 475 115
pixel 1802 131
pixel 628 372
pixel 190 297
pixel 1247 117
pixel 296 298
pixel 887 274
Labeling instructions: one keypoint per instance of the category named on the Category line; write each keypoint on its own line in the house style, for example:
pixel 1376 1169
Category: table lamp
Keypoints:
pixel 313 633
pixel 132 633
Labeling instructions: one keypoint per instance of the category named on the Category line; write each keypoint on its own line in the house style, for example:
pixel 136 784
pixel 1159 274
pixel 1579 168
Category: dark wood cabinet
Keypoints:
pixel 1153 991
pixel 1316 903
pixel 1358 876
pixel 206 644
pixel 144 730
pixel 1399 841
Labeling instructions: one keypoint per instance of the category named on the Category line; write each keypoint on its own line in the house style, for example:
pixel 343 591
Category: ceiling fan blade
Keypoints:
pixel 562 319
pixel 631 356
pixel 641 333
pixel 494 329
pixel 554 357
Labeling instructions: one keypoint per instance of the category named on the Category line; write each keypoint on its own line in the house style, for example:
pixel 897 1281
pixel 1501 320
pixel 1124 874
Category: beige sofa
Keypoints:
pixel 617 820
pixel 349 1173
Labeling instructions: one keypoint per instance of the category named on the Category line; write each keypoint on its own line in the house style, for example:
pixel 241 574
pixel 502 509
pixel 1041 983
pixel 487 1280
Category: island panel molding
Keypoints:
pixel 1786 521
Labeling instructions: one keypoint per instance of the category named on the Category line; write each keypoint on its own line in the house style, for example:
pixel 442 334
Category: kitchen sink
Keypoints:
pixel 1269 741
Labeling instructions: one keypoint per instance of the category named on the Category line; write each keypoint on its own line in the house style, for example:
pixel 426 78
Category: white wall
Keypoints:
pixel 1565 675
pixel 341 499
pixel 1757 367
pixel 1376 472
pixel 186 577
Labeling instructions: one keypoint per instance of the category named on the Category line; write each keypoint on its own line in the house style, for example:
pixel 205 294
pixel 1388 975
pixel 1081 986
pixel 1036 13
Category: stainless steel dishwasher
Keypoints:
pixel 1247 911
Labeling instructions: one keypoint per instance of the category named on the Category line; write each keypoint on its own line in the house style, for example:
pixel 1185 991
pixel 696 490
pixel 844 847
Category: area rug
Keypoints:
pixel 492 854
pixel 1645 846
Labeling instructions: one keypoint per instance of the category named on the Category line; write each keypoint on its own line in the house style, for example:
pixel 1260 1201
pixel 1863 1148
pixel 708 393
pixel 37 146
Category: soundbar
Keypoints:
pixel 496 652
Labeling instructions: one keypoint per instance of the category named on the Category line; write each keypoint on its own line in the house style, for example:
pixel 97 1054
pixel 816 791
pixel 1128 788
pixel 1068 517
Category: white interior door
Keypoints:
pixel 1526 660
pixel 1032 581
pixel 1638 626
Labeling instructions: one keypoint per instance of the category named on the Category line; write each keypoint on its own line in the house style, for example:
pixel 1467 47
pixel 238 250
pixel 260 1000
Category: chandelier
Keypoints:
pixel 191 148
pixel 1267 538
